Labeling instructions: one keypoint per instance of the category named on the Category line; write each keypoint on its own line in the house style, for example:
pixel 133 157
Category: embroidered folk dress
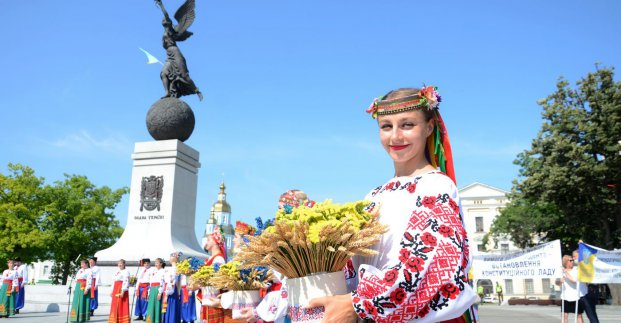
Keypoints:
pixel 211 314
pixel 142 292
pixel 188 302
pixel 154 309
pixel 420 272
pixel 8 292
pixel 81 304
pixel 22 277
pixel 95 282
pixel 172 305
pixel 119 306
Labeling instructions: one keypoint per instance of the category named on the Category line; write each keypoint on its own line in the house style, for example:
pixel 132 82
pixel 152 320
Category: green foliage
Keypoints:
pixel 57 222
pixel 80 218
pixel 21 211
pixel 570 180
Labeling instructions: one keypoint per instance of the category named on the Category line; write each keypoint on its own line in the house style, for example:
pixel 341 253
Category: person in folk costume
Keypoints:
pixel 81 304
pixel 216 247
pixel 142 292
pixel 156 281
pixel 22 279
pixel 8 291
pixel 172 302
pixel 188 302
pixel 119 306
pixel 95 282
pixel 420 272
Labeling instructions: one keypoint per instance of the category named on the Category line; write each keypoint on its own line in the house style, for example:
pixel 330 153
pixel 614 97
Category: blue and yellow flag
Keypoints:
pixel 598 266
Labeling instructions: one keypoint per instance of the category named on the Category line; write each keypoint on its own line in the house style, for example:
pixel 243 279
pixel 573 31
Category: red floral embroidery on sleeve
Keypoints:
pixel 429 272
pixel 429 201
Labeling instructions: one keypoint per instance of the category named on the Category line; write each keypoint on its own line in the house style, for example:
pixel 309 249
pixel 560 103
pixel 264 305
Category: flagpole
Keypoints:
pixel 562 302
pixel 578 300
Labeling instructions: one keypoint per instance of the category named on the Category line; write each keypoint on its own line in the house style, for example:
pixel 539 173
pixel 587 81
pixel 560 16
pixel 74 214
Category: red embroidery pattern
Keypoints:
pixel 429 272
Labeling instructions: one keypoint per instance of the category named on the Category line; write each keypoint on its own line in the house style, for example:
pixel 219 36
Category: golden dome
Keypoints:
pixel 221 205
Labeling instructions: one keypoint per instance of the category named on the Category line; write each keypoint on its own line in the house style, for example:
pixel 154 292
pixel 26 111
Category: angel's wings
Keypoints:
pixel 185 17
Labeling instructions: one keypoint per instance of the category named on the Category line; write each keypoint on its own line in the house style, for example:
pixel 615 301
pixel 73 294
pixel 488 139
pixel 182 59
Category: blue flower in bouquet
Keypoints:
pixel 262 226
pixel 195 263
pixel 216 267
pixel 257 274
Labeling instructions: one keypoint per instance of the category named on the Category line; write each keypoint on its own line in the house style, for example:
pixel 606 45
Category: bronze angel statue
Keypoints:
pixel 175 75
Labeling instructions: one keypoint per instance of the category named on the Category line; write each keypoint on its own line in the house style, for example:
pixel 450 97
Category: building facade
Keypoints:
pixel 220 215
pixel 481 204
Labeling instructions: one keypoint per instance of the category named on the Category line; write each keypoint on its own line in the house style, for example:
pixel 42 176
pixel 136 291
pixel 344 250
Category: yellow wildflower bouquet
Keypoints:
pixel 232 277
pixel 202 277
pixel 188 266
pixel 317 239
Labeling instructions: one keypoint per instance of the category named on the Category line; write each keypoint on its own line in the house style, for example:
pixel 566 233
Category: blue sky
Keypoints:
pixel 286 84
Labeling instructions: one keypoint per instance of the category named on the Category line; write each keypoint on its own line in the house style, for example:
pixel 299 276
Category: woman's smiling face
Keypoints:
pixel 404 135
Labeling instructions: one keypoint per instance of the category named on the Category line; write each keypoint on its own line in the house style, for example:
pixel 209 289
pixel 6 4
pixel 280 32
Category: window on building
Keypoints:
pixel 529 286
pixel 479 223
pixel 504 248
pixel 46 270
pixel 478 202
pixel 545 284
pixel 508 286
pixel 481 248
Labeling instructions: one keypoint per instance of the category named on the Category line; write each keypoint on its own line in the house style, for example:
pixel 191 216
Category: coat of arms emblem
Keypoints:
pixel 151 192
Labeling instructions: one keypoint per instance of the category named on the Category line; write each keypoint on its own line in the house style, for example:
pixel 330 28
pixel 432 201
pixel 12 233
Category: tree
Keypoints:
pixel 79 222
pixel 569 184
pixel 21 211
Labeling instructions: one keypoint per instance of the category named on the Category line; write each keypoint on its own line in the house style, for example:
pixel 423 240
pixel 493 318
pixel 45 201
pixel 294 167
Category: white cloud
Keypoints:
pixel 85 142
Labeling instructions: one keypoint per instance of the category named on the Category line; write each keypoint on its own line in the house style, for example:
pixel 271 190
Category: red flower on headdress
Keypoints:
pixel 372 109
pixel 430 95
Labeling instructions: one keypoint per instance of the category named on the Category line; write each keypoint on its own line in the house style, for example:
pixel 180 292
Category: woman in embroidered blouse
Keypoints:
pixel 420 272
pixel 157 281
pixel 8 290
pixel 81 305
pixel 119 303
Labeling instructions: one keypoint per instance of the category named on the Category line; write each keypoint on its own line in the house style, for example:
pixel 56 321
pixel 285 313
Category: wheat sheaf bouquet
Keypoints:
pixel 232 277
pixel 318 239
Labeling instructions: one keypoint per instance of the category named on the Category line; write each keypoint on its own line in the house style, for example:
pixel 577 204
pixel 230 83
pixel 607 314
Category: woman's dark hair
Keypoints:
pixel 407 91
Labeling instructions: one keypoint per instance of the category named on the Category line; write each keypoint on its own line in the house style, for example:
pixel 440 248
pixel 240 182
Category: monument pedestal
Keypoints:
pixel 162 207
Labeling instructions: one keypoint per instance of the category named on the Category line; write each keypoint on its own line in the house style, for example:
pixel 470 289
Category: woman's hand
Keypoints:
pixel 85 291
pixel 215 301
pixel 159 297
pixel 247 314
pixel 337 309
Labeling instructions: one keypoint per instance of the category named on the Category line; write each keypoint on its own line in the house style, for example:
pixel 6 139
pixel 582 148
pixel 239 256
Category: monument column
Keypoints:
pixel 162 204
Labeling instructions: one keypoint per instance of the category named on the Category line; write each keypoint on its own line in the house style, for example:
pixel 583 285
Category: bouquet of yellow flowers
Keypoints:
pixel 202 277
pixel 188 266
pixel 318 239
pixel 231 277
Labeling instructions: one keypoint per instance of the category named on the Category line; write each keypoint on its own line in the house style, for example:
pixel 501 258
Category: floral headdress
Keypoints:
pixel 427 98
pixel 217 237
pixel 438 144
pixel 244 228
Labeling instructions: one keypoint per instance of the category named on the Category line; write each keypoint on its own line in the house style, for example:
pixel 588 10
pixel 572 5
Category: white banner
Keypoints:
pixel 598 266
pixel 541 261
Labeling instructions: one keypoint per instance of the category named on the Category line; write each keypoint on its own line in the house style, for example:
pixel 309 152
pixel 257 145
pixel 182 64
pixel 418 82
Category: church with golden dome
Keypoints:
pixel 220 215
